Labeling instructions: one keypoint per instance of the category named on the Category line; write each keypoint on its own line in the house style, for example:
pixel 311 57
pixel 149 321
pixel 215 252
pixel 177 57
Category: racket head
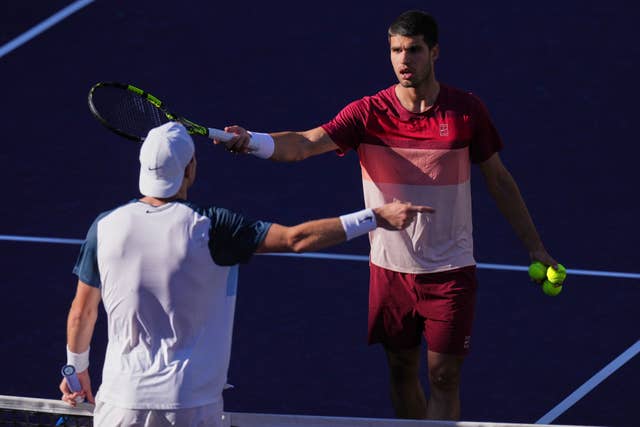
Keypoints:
pixel 132 112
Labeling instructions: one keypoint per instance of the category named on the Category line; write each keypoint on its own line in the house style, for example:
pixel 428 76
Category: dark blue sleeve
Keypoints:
pixel 86 267
pixel 233 238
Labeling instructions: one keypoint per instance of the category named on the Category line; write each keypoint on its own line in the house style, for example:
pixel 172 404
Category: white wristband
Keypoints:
pixel 261 145
pixel 80 361
pixel 358 223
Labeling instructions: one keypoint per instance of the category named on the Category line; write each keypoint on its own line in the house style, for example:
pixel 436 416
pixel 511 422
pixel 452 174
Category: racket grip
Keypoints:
pixel 220 135
pixel 69 372
pixel 223 136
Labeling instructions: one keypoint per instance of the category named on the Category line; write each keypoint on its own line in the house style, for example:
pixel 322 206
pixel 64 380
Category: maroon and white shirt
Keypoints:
pixel 422 158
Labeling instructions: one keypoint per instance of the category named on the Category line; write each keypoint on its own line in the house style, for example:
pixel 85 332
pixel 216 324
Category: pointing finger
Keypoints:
pixel 422 209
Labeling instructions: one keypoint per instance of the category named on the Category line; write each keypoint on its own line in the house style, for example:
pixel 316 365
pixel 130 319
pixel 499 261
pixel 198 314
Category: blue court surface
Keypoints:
pixel 559 79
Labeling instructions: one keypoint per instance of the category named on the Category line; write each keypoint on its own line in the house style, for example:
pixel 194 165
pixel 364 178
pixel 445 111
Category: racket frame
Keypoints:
pixel 192 127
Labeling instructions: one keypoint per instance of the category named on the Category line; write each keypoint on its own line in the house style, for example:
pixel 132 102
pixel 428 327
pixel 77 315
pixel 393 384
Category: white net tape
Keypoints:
pixel 27 411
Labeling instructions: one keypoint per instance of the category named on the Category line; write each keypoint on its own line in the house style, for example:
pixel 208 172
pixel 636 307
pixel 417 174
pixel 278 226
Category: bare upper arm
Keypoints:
pixel 320 141
pixel 492 168
pixel 497 177
pixel 87 297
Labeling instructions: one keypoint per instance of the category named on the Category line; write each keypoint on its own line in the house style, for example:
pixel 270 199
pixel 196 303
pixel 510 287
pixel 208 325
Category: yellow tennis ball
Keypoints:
pixel 537 271
pixel 551 289
pixel 557 276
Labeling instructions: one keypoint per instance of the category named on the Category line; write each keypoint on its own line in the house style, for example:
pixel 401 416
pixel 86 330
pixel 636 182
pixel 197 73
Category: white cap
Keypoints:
pixel 164 155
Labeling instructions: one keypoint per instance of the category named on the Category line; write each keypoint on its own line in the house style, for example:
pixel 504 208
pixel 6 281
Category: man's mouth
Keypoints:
pixel 406 74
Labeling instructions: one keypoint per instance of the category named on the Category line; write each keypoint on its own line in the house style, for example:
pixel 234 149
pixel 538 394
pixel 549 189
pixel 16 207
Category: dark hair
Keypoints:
pixel 416 23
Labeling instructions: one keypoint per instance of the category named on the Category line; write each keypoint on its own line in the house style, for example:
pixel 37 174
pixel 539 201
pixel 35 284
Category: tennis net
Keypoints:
pixel 27 411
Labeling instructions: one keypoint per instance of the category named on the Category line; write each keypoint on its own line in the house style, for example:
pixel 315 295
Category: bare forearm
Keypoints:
pixel 80 325
pixel 308 236
pixel 322 233
pixel 289 146
pixel 318 234
pixel 279 146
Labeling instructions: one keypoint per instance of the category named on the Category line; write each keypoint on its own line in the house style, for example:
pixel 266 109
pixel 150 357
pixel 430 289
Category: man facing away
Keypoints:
pixel 416 141
pixel 162 268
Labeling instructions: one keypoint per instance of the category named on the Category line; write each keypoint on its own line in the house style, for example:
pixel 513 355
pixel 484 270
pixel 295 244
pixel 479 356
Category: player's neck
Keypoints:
pixel 154 201
pixel 159 201
pixel 419 99
pixel 180 195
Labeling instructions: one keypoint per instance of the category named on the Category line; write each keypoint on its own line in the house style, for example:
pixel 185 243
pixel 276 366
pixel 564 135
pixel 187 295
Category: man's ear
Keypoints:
pixel 435 52
pixel 188 171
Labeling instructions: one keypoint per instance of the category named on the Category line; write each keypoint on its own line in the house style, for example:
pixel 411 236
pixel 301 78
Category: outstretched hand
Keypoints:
pixel 237 144
pixel 398 215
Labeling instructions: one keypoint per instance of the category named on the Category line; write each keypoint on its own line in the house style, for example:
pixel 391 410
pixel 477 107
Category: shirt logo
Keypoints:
pixel 444 129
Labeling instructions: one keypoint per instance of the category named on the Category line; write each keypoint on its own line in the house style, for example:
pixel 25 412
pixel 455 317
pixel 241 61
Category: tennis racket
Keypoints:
pixel 131 112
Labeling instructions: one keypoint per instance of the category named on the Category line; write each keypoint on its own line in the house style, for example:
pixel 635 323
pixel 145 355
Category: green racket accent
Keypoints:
pixel 131 112
pixel 155 101
pixel 192 128
pixel 135 89
pixel 152 99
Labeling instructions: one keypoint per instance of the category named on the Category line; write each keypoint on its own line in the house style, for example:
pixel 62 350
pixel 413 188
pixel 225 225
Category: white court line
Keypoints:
pixel 593 382
pixel 346 257
pixel 43 26
pixel 41 239
pixel 319 255
pixel 578 272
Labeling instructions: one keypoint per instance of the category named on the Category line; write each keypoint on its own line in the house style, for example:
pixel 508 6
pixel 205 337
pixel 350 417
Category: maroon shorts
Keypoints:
pixel 440 306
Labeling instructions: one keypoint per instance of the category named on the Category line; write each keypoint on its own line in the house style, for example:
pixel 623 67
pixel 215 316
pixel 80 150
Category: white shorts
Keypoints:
pixel 106 415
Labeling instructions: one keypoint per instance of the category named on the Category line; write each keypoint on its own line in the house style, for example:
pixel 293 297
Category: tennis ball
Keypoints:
pixel 537 271
pixel 551 289
pixel 557 276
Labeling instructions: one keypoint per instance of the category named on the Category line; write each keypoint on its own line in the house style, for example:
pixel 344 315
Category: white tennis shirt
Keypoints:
pixel 168 286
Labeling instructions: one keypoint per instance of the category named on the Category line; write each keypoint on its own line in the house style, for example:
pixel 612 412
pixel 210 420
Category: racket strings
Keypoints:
pixel 126 112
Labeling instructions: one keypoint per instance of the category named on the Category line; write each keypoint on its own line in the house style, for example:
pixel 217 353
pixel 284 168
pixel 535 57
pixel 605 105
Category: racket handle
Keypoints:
pixel 220 135
pixel 69 372
pixel 223 136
